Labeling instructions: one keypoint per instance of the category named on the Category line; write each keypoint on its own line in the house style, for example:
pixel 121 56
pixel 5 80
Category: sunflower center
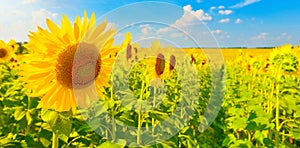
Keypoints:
pixel 3 52
pixel 160 64
pixel 78 65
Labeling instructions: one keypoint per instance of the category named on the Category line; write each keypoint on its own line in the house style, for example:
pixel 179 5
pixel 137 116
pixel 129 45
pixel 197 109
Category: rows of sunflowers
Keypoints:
pixel 61 90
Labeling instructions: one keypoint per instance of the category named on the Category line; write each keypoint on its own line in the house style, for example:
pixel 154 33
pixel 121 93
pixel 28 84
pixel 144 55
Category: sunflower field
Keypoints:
pixel 71 86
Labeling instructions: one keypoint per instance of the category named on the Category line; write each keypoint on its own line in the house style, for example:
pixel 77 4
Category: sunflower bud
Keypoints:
pixel 160 64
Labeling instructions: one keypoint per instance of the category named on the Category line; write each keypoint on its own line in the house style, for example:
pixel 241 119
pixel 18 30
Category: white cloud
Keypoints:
pixel 176 35
pixel 284 37
pixel 17 22
pixel 218 31
pixel 29 1
pixel 238 21
pixel 225 12
pixel 226 20
pixel 39 16
pixel 189 17
pixel 221 7
pixel 220 34
pixel 261 36
pixel 244 3
pixel 212 8
pixel 146 29
pixel 198 1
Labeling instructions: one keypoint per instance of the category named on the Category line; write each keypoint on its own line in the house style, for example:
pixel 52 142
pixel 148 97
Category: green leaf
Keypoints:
pixel 239 123
pixel 19 113
pixel 63 137
pixel 58 123
pixel 28 118
pixel 110 145
pixel 48 115
pixel 259 136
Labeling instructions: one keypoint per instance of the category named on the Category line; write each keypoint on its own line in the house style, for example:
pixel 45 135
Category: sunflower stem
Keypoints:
pixel 54 140
pixel 28 108
pixel 153 122
pixel 138 138
pixel 113 117
pixel 278 76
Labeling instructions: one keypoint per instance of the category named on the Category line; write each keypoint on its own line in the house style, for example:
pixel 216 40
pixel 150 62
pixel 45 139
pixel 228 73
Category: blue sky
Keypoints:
pixel 248 23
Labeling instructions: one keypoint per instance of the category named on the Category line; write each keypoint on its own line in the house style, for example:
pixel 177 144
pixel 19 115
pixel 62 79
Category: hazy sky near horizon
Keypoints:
pixel 247 23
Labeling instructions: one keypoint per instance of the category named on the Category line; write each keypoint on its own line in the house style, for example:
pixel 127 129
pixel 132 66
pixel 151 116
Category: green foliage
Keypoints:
pixel 260 109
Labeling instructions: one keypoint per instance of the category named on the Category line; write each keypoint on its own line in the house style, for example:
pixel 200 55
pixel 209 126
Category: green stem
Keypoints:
pixel 113 118
pixel 54 141
pixel 138 138
pixel 28 108
pixel 277 108
pixel 277 121
pixel 153 121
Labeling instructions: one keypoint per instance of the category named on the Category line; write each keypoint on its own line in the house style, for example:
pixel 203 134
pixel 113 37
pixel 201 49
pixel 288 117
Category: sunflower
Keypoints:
pixel 286 58
pixel 68 60
pixel 14 45
pixel 6 52
pixel 160 62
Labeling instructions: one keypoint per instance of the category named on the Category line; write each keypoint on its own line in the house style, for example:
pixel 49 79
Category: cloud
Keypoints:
pixel 220 34
pixel 226 20
pixel 225 12
pixel 238 21
pixel 29 1
pixel 284 34
pixel 261 36
pixel 39 16
pixel 198 1
pixel 16 23
pixel 212 8
pixel 245 3
pixel 216 31
pixel 176 35
pixel 221 7
pixel 146 29
pixel 190 17
pixel 284 37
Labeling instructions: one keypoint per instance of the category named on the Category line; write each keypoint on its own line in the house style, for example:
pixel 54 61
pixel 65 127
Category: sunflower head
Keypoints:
pixel 78 71
pixel 14 45
pixel 160 64
pixel 286 58
pixel 172 62
pixel 6 51
pixel 70 66
pixel 128 52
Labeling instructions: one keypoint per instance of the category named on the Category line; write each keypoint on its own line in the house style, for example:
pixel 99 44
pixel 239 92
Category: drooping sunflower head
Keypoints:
pixel 286 58
pixel 160 64
pixel 6 51
pixel 128 52
pixel 69 66
pixel 172 62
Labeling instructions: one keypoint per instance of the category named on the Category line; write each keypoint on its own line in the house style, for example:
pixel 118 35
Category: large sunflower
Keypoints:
pixel 286 58
pixel 6 52
pixel 69 60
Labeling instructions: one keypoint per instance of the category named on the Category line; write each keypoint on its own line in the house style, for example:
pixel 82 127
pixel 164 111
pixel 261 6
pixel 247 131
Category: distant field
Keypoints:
pixel 229 53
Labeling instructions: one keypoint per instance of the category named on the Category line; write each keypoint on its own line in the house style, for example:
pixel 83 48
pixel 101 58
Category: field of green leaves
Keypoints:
pixel 261 107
